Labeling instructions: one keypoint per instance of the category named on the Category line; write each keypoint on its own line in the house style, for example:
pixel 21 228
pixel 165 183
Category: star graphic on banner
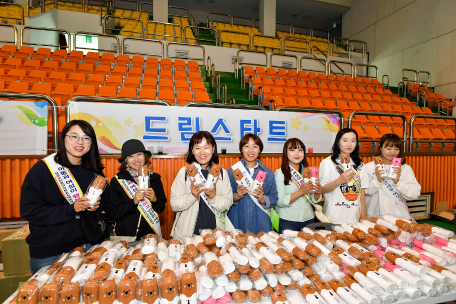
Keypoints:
pixel 100 124
pixel 305 128
pixel 295 122
pixel 128 122
pixel 139 130
pixel 93 122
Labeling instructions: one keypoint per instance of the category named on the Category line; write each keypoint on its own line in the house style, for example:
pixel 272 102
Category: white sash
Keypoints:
pixel 297 178
pixel 393 194
pixel 144 206
pixel 247 181
pixel 199 179
pixel 64 179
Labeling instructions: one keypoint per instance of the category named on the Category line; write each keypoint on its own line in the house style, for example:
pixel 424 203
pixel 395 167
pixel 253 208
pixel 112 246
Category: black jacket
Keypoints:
pixel 54 228
pixel 124 211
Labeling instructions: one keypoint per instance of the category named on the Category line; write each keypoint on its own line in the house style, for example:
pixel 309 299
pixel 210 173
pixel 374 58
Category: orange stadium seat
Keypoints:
pixel 147 94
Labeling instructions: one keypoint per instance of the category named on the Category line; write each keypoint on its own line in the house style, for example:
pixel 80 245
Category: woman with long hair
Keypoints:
pixel 125 196
pixel 52 195
pixel 198 207
pixel 343 178
pixel 295 199
pixel 385 195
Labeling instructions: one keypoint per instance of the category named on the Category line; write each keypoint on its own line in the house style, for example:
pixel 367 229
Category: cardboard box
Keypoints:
pixel 16 255
pixel 6 232
pixel 9 284
pixel 442 212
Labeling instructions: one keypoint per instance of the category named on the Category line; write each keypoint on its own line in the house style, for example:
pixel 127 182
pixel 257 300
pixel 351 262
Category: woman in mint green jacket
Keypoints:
pixel 293 205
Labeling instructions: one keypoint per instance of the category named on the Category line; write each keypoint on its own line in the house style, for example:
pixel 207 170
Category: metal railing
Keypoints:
pixel 342 42
pixel 322 61
pixel 428 82
pixel 401 87
pixel 129 1
pixel 387 83
pixel 368 113
pixel 239 63
pixel 208 66
pixel 148 41
pixel 218 38
pixel 447 107
pixel 335 62
pixel 25 28
pixel 286 25
pixel 363 49
pixel 164 34
pixel 407 78
pixel 187 15
pixel 54 111
pixel 264 46
pixel 116 38
pixel 293 48
pixel 197 38
pixel 107 17
pixel 412 127
pixel 244 18
pixel 209 20
pixel 260 96
pixel 422 92
pixel 312 47
pixel 302 27
pixel 217 91
pixel 112 100
pixel 145 3
pixel 213 75
pixel 203 58
pixel 271 56
pixel 222 105
pixel 14 33
pixel 326 33
pixel 16 5
pixel 224 93
pixel 293 109
pixel 367 70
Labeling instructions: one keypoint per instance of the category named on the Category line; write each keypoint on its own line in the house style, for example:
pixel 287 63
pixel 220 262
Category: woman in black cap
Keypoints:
pixel 126 200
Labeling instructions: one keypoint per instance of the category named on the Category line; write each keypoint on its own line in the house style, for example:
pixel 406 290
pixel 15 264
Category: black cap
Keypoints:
pixel 133 146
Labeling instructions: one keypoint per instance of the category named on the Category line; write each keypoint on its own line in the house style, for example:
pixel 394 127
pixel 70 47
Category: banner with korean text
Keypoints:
pixel 23 127
pixel 172 127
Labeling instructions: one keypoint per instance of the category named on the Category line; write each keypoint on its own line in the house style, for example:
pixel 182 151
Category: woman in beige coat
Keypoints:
pixel 198 207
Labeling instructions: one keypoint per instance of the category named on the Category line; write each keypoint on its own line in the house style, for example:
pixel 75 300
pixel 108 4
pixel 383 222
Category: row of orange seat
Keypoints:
pixel 64 92
pixel 283 74
pixel 419 133
pixel 60 55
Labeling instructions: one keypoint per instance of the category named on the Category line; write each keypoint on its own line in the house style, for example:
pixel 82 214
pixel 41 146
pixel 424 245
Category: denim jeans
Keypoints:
pixel 295 226
pixel 37 264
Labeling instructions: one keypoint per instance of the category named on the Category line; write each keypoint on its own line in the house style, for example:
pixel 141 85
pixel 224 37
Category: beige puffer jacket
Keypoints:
pixel 183 203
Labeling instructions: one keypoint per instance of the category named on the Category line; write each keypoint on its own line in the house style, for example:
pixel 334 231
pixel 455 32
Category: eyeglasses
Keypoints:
pixel 347 188
pixel 75 138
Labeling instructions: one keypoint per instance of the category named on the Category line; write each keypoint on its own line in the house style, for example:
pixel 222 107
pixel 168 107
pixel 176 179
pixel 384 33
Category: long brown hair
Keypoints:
pixel 394 141
pixel 292 143
pixel 123 165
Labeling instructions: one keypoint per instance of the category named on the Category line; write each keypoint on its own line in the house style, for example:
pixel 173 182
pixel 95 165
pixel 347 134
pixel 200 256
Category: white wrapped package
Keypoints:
pixel 290 233
pixel 174 251
pixel 108 257
pixel 107 244
pixel 260 284
pixel 153 274
pixel 274 234
pixel 227 263
pixel 135 266
pixel 203 292
pixel 304 281
pixel 218 292
pixel 205 279
pixel 186 267
pixel 116 274
pixel 119 248
pixel 318 268
pixel 252 260
pixel 167 264
pixel 270 255
pixel 222 280
pixel 237 256
pixel 149 245
pixel 220 238
pixel 272 279
pixel 267 238
pixel 84 273
pixel 295 275
pixel 162 251
pixel 332 267
pixel 387 298
pixel 245 283
pixel 284 279
pixel 231 287
pixel 326 276
pixel 41 275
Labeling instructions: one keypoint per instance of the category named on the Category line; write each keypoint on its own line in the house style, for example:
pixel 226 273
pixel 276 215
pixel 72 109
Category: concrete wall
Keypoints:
pixel 407 34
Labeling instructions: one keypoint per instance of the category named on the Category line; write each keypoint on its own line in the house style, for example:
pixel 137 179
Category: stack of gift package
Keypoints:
pixel 380 260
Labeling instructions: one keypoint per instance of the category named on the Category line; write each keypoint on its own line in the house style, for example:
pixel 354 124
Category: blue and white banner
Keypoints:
pixel 23 127
pixel 172 127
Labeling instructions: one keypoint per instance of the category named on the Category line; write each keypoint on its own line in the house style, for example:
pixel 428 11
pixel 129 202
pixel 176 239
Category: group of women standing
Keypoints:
pixel 349 194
